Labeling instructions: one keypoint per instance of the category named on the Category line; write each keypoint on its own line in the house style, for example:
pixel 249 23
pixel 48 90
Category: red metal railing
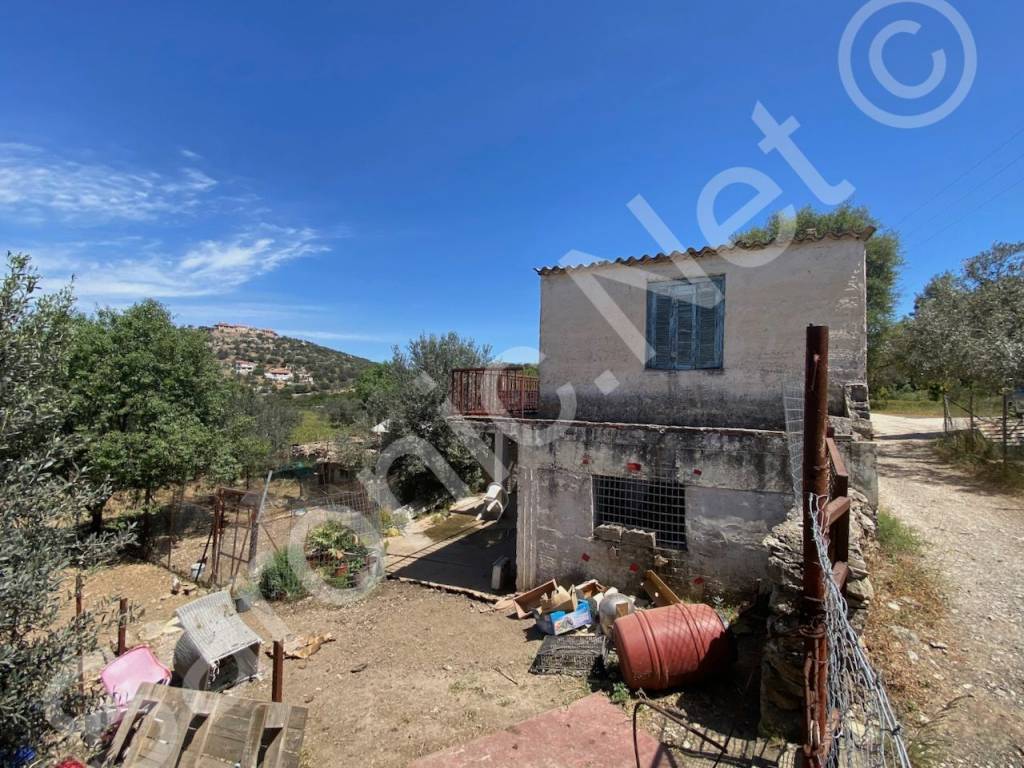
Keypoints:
pixel 494 392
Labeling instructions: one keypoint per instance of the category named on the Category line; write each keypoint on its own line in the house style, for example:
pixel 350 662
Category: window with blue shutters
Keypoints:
pixel 685 323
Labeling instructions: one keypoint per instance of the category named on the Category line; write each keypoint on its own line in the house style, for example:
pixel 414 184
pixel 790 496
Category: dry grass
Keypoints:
pixel 908 594
pixel 983 461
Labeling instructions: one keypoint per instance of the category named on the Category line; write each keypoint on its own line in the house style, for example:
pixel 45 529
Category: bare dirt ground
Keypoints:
pixel 411 670
pixel 975 716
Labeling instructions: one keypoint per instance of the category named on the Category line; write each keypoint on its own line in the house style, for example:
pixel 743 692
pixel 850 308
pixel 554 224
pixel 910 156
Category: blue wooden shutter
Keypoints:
pixel 710 322
pixel 684 305
pixel 659 327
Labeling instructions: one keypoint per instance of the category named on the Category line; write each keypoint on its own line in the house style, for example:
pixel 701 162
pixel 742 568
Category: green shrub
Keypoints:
pixel 620 694
pixel 896 537
pixel 336 546
pixel 278 579
pixel 333 539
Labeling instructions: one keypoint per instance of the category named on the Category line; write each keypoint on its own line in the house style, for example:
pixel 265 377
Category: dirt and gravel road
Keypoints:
pixel 976 539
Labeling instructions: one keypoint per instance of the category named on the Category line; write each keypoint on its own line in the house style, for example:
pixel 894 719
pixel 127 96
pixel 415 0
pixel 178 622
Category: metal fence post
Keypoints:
pixel 79 584
pixel 815 482
pixel 122 625
pixel 277 681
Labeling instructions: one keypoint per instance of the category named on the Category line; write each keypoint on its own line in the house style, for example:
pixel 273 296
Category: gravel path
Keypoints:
pixel 977 543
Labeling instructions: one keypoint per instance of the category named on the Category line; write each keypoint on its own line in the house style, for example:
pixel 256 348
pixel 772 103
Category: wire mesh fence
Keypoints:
pixel 198 543
pixel 650 504
pixel 863 729
pixel 866 732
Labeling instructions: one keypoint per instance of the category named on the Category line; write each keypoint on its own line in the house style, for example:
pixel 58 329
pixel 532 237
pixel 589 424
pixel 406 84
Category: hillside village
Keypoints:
pixel 269 360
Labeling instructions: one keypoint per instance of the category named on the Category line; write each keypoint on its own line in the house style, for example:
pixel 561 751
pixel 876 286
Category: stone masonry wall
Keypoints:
pixel 782 664
pixel 736 489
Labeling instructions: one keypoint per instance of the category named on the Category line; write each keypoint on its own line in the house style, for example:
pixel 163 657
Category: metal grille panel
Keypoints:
pixel 658 506
pixel 576 655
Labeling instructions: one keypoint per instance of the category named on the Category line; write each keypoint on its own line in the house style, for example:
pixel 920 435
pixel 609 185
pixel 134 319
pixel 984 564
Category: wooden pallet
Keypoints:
pixel 196 729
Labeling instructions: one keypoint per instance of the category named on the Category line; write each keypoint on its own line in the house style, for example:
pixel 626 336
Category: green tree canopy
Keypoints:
pixel 884 258
pixel 967 327
pixel 44 493
pixel 374 389
pixel 413 388
pixel 149 399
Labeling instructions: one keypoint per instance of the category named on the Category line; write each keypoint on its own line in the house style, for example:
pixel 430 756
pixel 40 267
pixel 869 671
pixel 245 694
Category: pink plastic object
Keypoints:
pixel 123 676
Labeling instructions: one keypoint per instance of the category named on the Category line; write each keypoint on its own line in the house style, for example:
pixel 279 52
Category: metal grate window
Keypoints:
pixel 658 506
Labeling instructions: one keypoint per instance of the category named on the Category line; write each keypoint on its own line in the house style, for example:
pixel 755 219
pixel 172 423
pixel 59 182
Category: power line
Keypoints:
pixel 976 187
pixel 960 177
pixel 1000 193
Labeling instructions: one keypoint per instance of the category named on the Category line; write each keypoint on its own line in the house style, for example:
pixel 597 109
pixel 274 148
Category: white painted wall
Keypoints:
pixel 771 296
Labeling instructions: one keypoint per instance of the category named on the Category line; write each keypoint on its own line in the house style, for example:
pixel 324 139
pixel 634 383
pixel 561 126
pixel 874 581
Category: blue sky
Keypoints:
pixel 358 173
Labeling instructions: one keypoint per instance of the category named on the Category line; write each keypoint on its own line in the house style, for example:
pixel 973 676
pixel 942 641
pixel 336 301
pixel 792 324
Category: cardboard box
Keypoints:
pixel 527 601
pixel 588 589
pixel 559 600
pixel 560 622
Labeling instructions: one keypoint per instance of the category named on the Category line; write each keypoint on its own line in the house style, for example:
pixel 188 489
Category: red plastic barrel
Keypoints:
pixel 671 646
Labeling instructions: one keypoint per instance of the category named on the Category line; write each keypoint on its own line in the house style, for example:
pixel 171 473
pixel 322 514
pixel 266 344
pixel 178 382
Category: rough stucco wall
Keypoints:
pixel 737 489
pixel 771 297
pixel 862 465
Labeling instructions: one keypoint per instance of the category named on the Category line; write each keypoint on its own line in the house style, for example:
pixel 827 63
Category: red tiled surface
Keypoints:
pixel 590 733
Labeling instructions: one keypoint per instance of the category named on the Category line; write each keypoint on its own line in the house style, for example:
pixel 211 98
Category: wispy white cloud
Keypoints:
pixel 119 231
pixel 106 271
pixel 37 186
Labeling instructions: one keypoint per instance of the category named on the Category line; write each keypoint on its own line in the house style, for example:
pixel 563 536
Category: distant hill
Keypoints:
pixel 299 366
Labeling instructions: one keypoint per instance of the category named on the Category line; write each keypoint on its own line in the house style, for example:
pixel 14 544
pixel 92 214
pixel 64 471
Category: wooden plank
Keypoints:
pixel 148 733
pixel 173 730
pixel 485 597
pixel 836 456
pixel 835 510
pixel 278 715
pixel 124 729
pixel 194 754
pixel 292 747
pixel 658 590
pixel 254 737
pixel 232 730
pixel 841 483
pixel 840 573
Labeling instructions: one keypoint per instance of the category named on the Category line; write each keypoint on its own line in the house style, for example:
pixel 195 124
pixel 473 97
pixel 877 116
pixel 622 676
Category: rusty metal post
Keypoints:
pixel 218 522
pixel 277 683
pixel 815 481
pixel 122 625
pixel 78 613
pixel 170 534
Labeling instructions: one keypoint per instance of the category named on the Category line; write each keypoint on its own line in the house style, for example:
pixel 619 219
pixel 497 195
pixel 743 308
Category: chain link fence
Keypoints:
pixel 865 732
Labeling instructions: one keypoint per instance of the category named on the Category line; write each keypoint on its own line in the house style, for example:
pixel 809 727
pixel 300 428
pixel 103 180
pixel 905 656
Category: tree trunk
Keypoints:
pixel 97 516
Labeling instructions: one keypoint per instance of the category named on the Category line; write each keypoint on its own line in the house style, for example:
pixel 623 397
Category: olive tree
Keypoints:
pixel 44 495
pixel 412 389
pixel 966 327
